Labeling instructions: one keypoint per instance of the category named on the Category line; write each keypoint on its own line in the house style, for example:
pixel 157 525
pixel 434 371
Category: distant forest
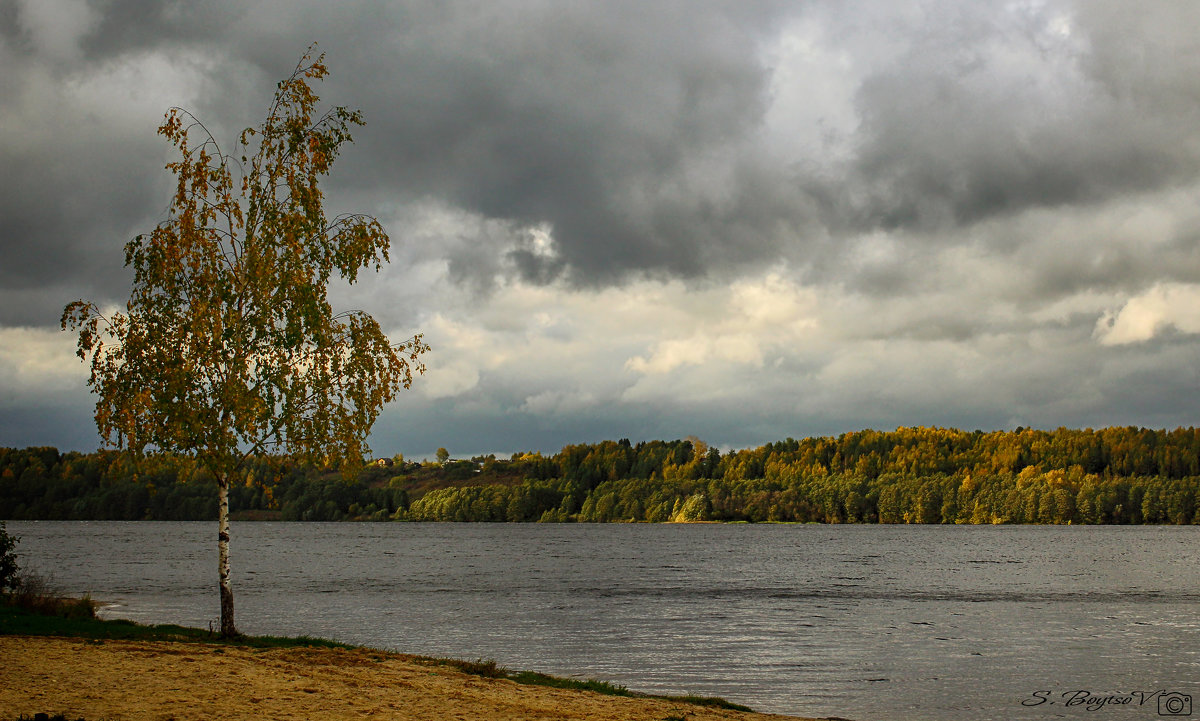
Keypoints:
pixel 910 475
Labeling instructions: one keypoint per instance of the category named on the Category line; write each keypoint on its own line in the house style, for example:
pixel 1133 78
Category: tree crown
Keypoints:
pixel 229 346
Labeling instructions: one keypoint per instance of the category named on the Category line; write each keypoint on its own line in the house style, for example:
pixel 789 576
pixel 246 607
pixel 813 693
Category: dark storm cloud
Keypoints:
pixel 983 114
pixel 597 120
pixel 883 213
pixel 130 25
pixel 633 130
pixel 40 424
pixel 1003 131
pixel 72 244
pixel 624 127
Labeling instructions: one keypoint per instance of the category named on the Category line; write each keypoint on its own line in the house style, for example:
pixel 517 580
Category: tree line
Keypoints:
pixel 910 475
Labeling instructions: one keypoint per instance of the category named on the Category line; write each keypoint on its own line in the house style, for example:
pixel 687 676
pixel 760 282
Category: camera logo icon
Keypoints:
pixel 1174 704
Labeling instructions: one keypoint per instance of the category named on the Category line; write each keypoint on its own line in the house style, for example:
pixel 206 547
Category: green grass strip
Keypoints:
pixel 490 669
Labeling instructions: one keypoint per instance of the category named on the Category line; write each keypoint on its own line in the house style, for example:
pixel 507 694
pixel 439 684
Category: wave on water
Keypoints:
pixel 850 592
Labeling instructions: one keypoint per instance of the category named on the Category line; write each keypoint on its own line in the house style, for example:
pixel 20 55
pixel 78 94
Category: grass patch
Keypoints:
pixel 480 667
pixel 533 678
pixel 711 702
pixel 490 669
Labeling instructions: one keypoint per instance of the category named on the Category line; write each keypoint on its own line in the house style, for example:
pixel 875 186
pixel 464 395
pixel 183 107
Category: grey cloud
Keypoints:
pixel 131 25
pixel 63 224
pixel 600 120
pixel 1003 153
pixel 1045 378
pixel 633 129
pixel 582 117
pixel 69 427
pixel 1145 53
pixel 986 114
pixel 1110 254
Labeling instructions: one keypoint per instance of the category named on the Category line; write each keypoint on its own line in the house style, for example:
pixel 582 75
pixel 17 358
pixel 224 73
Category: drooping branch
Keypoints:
pixel 229 346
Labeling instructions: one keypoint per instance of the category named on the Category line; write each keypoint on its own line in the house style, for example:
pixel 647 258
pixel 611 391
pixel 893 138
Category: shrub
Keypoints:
pixel 8 560
pixel 36 593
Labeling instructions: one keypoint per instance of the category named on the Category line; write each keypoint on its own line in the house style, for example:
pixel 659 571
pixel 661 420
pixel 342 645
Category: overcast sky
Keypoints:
pixel 740 221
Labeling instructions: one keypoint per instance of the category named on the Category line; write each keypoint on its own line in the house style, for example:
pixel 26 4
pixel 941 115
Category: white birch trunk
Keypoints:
pixel 227 626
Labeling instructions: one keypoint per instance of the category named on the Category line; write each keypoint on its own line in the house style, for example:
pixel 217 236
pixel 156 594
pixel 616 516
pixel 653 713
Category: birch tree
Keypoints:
pixel 228 348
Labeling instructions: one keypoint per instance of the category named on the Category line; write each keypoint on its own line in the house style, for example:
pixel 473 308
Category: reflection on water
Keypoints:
pixel 863 622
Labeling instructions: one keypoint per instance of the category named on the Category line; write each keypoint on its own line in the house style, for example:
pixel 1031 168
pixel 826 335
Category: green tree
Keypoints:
pixel 443 455
pixel 228 348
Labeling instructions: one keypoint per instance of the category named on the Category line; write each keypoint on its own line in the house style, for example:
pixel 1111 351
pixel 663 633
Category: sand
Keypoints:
pixel 114 680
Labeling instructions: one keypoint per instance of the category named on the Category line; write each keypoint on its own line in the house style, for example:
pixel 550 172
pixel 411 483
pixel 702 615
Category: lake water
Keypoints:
pixel 862 622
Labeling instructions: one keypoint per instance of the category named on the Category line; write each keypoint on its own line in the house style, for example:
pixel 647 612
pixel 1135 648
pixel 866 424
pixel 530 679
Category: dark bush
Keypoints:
pixel 8 560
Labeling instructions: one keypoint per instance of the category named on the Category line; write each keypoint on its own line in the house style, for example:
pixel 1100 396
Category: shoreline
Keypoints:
pixel 66 661
pixel 94 679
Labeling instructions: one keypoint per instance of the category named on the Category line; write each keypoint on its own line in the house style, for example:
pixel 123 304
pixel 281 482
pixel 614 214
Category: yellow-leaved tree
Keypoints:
pixel 228 348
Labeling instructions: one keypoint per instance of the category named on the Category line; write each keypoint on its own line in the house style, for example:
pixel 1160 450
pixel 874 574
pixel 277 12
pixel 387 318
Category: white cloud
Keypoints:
pixel 737 325
pixel 455 368
pixel 38 362
pixel 1144 317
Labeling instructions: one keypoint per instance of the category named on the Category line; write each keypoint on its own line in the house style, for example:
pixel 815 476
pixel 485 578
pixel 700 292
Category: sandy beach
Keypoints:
pixel 115 680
